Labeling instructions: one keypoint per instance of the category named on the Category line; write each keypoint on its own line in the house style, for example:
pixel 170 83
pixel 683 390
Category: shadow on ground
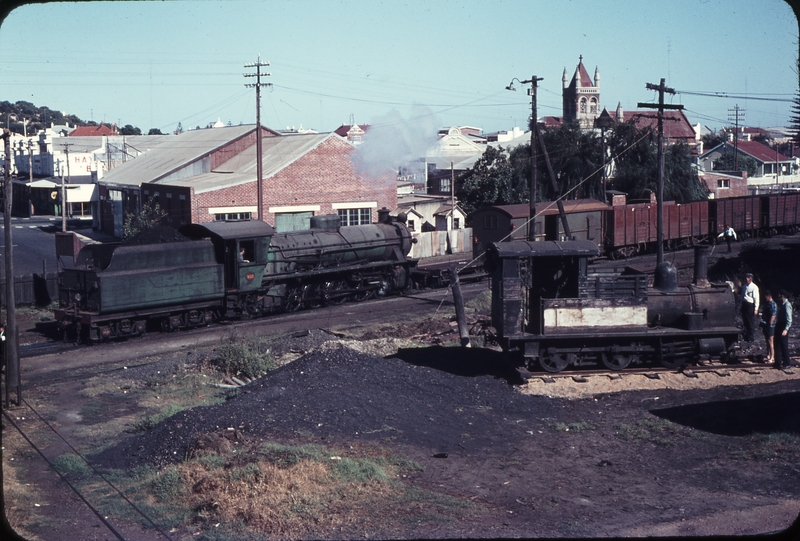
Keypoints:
pixel 763 415
pixel 467 362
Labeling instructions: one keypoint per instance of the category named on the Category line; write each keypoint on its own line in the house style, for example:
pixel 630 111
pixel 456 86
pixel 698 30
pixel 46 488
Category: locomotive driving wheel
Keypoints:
pixel 334 291
pixel 616 361
pixel 556 361
pixel 293 300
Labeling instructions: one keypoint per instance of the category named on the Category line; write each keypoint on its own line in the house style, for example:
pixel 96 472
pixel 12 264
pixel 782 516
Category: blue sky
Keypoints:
pixel 434 63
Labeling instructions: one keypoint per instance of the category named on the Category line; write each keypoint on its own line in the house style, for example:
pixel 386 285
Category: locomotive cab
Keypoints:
pixel 242 247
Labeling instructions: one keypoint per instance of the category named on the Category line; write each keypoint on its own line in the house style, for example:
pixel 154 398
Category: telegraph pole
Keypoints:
pixel 13 376
pixel 534 131
pixel 734 114
pixel 64 191
pixel 258 65
pixel 662 89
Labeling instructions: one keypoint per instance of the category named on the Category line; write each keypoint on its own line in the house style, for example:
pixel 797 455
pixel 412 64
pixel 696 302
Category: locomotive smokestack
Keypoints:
pixel 701 265
pixel 383 216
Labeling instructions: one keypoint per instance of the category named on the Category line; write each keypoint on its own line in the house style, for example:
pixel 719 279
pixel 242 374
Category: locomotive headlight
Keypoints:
pixel 77 297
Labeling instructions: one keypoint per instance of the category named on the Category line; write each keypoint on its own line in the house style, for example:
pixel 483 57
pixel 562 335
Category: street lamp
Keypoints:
pixel 534 135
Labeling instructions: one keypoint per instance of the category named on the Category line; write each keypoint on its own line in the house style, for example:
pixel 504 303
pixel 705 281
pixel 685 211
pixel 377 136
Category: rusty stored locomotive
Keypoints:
pixel 229 270
pixel 549 310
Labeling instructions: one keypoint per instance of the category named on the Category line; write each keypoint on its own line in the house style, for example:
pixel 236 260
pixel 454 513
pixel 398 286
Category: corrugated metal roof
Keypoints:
pixel 525 248
pixel 176 152
pixel 277 154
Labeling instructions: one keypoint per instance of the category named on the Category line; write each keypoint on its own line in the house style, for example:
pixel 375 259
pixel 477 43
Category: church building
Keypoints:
pixel 581 97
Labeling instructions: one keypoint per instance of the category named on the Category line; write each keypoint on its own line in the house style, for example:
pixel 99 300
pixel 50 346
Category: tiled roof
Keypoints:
pixel 676 125
pixel 760 151
pixel 102 129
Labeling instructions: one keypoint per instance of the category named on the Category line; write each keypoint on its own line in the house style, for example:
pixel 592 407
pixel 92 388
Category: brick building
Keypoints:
pixel 207 175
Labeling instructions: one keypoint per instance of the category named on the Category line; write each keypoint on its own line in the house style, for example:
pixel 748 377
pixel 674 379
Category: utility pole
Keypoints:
pixel 259 172
pixel 13 375
pixel 662 89
pixel 534 136
pixel 64 191
pixel 734 114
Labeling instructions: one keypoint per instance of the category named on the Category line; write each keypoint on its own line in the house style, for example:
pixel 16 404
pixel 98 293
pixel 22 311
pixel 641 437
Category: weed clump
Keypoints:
pixel 240 358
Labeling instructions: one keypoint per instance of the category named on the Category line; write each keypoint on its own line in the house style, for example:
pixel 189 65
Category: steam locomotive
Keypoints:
pixel 229 270
pixel 550 310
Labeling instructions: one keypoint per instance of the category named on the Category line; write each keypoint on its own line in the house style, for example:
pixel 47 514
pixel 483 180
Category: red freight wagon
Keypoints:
pixel 781 213
pixel 631 228
pixel 685 223
pixel 741 213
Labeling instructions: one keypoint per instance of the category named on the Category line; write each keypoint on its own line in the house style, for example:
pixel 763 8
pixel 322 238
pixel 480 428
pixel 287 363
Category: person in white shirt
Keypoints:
pixel 750 301
pixel 728 234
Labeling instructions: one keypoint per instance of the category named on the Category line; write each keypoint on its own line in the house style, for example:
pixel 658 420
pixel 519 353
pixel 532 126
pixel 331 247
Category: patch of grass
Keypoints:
pixel 776 445
pixel 574 427
pixel 291 491
pixel 658 431
pixel 72 466
pixel 148 422
pixel 239 358
pixel 481 303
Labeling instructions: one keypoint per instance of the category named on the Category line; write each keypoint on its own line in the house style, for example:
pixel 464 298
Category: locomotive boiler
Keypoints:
pixel 551 311
pixel 226 270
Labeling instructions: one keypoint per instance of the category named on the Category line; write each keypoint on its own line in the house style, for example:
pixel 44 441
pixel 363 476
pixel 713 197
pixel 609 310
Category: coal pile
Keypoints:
pixel 438 399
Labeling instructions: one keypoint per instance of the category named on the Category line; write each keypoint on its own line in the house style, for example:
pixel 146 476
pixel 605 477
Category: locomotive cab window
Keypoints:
pixel 247 251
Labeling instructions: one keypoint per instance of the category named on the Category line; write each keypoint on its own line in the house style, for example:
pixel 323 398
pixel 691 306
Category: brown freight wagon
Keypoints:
pixel 781 213
pixel 633 228
pixel 685 224
pixel 741 213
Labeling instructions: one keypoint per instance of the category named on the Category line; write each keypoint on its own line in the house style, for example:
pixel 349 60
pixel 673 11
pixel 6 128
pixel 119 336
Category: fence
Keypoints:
pixel 32 289
pixel 432 243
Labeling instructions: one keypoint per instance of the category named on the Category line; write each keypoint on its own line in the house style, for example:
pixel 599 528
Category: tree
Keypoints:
pixel 151 215
pixel 744 163
pixel 576 157
pixel 154 131
pixel 635 153
pixel 129 130
pixel 489 182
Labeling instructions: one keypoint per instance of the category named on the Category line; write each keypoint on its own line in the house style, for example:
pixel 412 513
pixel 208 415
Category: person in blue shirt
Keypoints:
pixel 769 315
pixel 783 323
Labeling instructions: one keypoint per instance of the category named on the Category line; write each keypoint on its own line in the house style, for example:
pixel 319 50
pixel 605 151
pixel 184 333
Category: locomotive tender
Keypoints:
pixel 550 310
pixel 229 269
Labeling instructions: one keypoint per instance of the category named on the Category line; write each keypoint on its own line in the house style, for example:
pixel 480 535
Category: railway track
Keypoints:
pixel 722 369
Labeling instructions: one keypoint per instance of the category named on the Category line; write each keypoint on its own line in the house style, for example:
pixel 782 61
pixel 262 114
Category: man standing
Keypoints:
pixel 782 325
pixel 768 317
pixel 729 234
pixel 750 300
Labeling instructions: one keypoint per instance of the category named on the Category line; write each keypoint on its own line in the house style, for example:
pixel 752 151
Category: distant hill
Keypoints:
pixel 37 118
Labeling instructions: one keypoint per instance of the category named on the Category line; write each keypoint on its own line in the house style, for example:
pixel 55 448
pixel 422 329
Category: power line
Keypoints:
pixel 737 96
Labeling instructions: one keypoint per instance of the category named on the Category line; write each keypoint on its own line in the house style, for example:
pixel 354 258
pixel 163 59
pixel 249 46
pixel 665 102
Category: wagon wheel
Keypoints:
pixel 616 361
pixel 334 291
pixel 293 300
pixel 554 362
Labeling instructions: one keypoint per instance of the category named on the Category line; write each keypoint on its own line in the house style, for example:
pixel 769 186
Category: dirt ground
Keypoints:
pixel 633 456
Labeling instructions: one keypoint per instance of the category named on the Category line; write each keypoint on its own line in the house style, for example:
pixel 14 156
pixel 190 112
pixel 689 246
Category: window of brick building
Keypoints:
pixel 355 216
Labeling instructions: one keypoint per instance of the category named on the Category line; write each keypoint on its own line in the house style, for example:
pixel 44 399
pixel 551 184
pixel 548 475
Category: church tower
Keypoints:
pixel 581 97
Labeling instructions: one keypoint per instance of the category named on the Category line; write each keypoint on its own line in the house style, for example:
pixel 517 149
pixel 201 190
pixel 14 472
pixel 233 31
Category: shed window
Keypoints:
pixel 355 216
pixel 490 222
